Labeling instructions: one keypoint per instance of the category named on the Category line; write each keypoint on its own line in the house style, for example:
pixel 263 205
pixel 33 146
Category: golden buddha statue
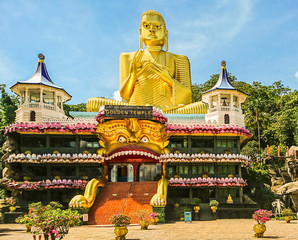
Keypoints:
pixel 154 76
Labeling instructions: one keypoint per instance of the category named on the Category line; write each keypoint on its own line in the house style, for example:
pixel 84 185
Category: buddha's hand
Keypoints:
pixel 163 73
pixel 78 201
pixel 135 63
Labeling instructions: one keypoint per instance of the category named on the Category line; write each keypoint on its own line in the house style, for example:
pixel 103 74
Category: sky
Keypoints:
pixel 82 40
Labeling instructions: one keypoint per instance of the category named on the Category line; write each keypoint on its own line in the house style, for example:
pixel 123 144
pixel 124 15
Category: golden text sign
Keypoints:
pixel 119 111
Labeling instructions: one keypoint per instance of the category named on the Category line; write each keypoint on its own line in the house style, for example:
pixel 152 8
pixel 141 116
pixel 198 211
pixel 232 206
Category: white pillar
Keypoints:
pixel 55 100
pixel 62 103
pixel 219 105
pixel 114 174
pixel 22 92
pixel 209 103
pixel 41 97
pixel 26 96
pixel 130 173
pixel 232 103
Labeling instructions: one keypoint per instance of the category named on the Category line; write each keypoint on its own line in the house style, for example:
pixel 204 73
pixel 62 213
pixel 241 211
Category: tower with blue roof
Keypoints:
pixel 224 101
pixel 40 99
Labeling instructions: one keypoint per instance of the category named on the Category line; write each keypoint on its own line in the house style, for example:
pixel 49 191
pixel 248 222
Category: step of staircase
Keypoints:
pixel 121 197
pixel 139 198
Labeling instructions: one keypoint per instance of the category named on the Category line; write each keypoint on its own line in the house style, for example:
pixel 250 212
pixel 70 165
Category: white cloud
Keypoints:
pixel 211 29
pixel 296 75
pixel 116 96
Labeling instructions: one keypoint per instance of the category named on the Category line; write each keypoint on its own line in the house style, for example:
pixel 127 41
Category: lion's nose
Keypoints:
pixel 132 140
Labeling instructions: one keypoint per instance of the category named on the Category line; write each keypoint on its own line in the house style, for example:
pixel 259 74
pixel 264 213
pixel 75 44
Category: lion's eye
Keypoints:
pixel 122 139
pixel 145 139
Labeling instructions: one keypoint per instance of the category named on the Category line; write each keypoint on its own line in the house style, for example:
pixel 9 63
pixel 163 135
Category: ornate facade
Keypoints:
pixel 193 150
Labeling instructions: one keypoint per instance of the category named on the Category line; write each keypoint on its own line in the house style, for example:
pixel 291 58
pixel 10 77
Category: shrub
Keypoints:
pixel 196 201
pixel 262 216
pixel 154 215
pixel 55 205
pixel 287 212
pixel 11 201
pixel 179 211
pixel 120 220
pixel 213 203
pixel 51 220
pixel 142 214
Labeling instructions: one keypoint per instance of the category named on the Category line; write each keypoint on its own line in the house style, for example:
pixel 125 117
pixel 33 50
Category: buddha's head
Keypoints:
pixel 153 30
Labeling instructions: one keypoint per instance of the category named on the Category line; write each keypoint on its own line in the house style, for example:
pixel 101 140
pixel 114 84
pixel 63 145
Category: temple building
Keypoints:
pixel 146 152
pixel 56 156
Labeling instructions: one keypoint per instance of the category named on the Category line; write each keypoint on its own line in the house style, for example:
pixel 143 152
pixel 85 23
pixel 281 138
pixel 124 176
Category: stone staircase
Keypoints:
pixel 121 197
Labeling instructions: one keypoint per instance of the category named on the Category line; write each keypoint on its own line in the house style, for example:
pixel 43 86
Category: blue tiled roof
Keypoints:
pixel 197 117
pixel 41 76
pixel 76 114
pixel 223 82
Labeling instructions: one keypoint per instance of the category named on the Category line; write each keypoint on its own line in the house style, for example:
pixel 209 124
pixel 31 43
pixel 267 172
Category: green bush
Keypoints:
pixel 196 201
pixel 179 212
pixel 2 194
pixel 287 212
pixel 213 203
pixel 51 220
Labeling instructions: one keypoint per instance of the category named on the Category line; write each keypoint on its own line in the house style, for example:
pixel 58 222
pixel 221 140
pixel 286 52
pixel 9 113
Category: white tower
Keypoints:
pixel 224 101
pixel 41 99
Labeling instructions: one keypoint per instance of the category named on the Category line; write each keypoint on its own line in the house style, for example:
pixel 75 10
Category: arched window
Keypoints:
pixel 32 116
pixel 227 119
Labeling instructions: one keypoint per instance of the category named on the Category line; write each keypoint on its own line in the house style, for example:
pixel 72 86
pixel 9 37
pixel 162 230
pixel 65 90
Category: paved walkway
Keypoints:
pixel 220 229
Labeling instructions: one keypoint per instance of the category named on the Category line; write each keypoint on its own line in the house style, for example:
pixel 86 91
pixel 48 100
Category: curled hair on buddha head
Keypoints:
pixel 153 13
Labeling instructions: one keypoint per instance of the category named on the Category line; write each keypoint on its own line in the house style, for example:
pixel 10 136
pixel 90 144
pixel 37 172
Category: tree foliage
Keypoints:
pixel 81 107
pixel 8 106
pixel 271 112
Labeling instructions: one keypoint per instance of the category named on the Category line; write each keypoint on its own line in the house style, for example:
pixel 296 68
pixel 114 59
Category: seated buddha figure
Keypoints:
pixel 153 76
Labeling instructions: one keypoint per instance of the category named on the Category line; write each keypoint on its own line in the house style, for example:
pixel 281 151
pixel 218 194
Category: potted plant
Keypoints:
pixel 205 174
pixel 261 216
pixel 154 217
pixel 120 221
pixel 287 213
pixel 50 220
pixel 213 205
pixel 143 215
pixel 196 202
pixel 11 201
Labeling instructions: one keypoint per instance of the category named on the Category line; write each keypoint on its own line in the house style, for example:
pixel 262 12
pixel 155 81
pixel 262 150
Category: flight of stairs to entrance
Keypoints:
pixel 121 197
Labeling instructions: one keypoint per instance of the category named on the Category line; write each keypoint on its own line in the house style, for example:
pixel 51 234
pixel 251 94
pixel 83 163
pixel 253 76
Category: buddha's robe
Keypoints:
pixel 150 88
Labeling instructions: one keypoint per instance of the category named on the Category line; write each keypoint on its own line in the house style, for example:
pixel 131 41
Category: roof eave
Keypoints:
pixel 24 83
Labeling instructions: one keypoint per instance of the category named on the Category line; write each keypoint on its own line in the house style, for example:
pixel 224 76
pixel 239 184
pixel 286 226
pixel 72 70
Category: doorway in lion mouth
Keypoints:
pixel 121 172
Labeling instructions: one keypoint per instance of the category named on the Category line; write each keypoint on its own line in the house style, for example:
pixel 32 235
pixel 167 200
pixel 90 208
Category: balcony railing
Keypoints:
pixel 225 109
pixel 39 105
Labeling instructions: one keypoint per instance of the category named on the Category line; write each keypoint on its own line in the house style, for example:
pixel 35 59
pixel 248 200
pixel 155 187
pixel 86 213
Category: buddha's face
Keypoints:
pixel 152 30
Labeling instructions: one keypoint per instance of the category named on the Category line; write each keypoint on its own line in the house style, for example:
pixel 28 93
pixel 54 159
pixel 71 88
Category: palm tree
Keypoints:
pixel 256 116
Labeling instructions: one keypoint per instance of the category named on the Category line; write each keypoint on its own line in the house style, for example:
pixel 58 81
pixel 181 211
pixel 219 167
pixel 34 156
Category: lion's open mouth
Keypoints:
pixel 132 151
